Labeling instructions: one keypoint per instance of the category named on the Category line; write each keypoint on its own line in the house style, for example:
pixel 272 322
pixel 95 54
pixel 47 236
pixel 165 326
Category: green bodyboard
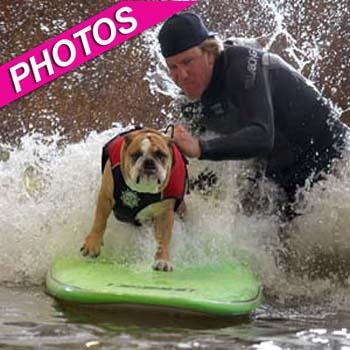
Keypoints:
pixel 229 289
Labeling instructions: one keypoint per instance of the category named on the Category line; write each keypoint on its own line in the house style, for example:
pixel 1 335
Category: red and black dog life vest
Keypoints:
pixel 128 203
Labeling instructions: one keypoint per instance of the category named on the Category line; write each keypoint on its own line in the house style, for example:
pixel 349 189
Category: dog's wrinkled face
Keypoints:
pixel 146 161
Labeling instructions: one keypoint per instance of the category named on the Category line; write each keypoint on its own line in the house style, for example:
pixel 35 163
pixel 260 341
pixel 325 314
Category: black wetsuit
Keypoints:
pixel 260 107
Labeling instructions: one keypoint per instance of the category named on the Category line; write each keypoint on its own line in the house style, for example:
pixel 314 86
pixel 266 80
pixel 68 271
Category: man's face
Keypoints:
pixel 191 70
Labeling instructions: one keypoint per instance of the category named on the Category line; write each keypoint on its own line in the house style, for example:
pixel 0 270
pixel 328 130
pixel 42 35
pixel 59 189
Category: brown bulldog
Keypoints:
pixel 144 178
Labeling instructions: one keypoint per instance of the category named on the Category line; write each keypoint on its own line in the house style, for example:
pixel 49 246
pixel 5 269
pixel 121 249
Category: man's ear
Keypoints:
pixel 211 58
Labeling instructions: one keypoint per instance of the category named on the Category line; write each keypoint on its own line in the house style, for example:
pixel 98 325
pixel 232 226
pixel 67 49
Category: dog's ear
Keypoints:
pixel 127 140
pixel 129 137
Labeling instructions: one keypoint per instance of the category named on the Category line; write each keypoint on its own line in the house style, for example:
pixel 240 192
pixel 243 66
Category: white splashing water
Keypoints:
pixel 157 77
pixel 48 195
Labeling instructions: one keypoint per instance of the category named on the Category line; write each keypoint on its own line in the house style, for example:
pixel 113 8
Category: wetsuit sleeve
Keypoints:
pixel 256 137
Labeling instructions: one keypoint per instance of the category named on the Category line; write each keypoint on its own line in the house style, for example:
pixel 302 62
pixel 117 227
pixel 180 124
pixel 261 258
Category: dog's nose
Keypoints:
pixel 149 164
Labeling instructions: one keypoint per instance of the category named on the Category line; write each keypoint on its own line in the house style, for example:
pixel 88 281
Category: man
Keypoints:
pixel 254 102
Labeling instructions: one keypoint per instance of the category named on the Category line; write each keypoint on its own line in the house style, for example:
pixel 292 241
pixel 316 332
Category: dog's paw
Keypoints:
pixel 162 265
pixel 182 211
pixel 92 246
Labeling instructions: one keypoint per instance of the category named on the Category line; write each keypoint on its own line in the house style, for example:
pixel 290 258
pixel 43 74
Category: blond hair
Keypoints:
pixel 212 45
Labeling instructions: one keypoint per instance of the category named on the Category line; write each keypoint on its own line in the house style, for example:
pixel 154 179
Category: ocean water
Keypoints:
pixel 48 189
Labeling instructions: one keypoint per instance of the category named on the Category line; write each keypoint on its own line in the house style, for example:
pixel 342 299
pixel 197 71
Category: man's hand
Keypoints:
pixel 188 144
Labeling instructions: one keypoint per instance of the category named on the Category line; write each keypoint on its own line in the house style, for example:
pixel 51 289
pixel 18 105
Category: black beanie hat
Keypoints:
pixel 181 32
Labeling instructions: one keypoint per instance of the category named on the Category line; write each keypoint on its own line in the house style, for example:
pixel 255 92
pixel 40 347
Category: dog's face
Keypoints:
pixel 146 161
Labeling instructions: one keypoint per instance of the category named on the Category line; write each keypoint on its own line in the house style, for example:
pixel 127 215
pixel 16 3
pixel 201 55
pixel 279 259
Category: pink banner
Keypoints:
pixel 82 43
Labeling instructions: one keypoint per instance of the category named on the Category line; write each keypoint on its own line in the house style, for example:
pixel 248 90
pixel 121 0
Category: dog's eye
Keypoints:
pixel 135 156
pixel 160 155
